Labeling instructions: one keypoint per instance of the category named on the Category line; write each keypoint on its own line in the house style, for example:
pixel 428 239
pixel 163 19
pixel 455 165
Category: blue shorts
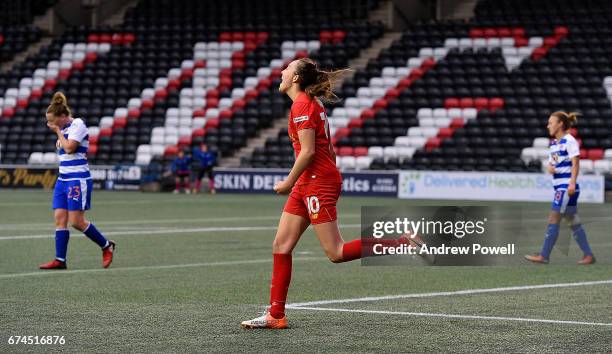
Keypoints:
pixel 73 195
pixel 565 204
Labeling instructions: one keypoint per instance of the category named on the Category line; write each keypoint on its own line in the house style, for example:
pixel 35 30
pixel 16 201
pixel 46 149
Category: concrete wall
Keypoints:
pixel 82 13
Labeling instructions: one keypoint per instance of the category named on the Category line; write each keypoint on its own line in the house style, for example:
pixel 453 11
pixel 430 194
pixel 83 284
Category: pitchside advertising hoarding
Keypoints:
pixel 122 177
pixel 493 186
pixel 263 180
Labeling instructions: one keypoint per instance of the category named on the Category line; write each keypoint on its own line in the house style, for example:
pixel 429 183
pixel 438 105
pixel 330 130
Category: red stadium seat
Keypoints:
pixel 200 112
pixel 251 94
pixel 490 32
pixel 368 114
pixel 92 149
pixel 457 123
pixel 520 41
pixel 595 154
pixel 380 103
pixel 561 31
pixel 504 32
pixel 345 151
pixel 518 32
pixel 171 151
pixel 8 112
pixel 451 103
pixel 574 132
pixel 355 123
pixel 496 103
pixel 480 103
pixel 338 36
pixel 466 102
pixel 583 154
pixel 416 74
pixel 105 132
pixel 342 132
pixel 550 42
pixel 225 114
pixel 161 94
pixel 392 93
pixel 325 37
pixel 134 113
pixel 427 64
pixel 212 123
pixel 128 38
pixel 476 33
pixel 238 104
pixel 22 103
pixel 360 151
pixel 445 133
pixel 539 53
pixel 225 37
pixel 184 141
pixel 119 123
pixel 147 104
pixel 432 143
pixel 198 132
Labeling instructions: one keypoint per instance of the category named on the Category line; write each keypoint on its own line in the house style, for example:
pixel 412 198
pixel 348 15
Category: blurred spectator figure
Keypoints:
pixel 206 161
pixel 180 168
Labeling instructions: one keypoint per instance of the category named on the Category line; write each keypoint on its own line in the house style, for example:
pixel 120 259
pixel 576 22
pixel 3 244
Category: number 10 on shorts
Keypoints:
pixel 313 206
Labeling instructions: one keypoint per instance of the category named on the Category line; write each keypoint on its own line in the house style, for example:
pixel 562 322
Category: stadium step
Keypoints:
pixel 384 14
pixel 260 140
pixel 456 10
pixel 372 52
pixel 21 57
pixel 281 122
pixel 117 18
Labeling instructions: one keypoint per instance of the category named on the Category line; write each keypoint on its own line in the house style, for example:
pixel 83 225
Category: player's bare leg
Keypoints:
pixel 290 229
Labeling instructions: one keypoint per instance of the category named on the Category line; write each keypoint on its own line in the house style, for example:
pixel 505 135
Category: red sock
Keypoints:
pixel 211 183
pixel 177 186
pixel 198 185
pixel 353 250
pixel 281 277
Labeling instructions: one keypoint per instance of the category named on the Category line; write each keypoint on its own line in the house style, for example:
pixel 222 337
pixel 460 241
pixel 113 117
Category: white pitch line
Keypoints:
pixel 450 293
pixel 158 221
pixel 166 231
pixel 445 315
pixel 170 266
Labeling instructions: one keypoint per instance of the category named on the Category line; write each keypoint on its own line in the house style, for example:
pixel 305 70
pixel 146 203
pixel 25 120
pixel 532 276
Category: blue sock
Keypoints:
pixel 581 240
pixel 95 235
pixel 552 233
pixel 61 244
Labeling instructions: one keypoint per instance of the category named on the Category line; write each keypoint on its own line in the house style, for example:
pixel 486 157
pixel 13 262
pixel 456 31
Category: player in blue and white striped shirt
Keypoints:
pixel 564 165
pixel 73 188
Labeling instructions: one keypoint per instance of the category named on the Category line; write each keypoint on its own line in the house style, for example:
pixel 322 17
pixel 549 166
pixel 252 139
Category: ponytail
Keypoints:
pixel 318 83
pixel 59 105
pixel 567 119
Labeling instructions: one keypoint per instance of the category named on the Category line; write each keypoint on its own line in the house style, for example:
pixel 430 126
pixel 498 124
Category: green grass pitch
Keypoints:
pixel 189 268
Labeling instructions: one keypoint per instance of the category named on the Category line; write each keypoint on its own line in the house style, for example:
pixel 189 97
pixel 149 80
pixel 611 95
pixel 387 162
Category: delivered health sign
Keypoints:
pixel 491 186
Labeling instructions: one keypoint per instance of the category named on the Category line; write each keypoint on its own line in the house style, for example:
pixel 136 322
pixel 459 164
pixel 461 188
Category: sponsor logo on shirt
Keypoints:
pixel 300 119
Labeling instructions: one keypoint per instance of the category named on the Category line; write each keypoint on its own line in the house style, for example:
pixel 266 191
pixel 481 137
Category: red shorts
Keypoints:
pixel 314 201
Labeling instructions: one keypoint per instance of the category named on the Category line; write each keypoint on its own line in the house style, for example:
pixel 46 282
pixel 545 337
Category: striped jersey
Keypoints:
pixel 74 166
pixel 561 153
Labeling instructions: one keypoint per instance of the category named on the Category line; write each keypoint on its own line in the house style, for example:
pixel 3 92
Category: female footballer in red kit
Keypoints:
pixel 313 185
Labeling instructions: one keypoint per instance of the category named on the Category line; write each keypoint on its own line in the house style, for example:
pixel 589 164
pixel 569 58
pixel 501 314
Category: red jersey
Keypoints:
pixel 307 113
